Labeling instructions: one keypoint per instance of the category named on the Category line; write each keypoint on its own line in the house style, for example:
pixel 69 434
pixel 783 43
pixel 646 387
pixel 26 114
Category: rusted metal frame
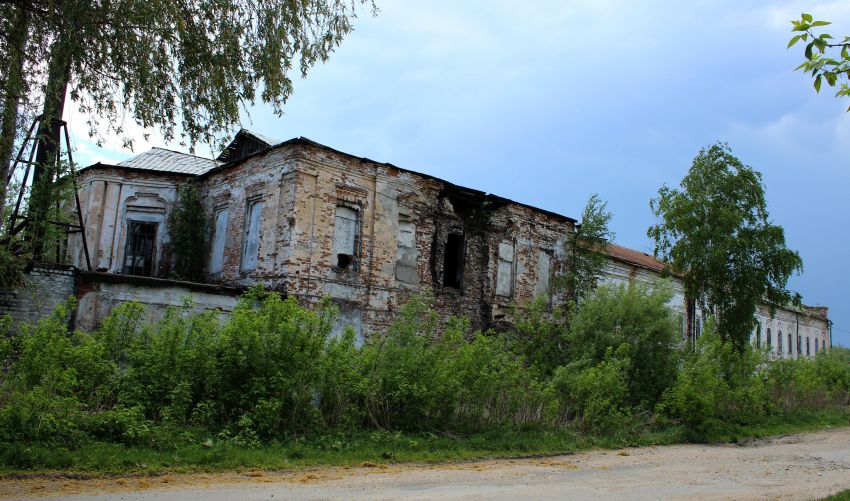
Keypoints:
pixel 77 198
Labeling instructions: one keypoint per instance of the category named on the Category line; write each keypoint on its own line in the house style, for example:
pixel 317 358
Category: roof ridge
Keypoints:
pixel 178 152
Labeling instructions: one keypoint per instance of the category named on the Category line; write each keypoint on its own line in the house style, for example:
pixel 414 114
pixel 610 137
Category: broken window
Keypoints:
pixel 345 237
pixel 139 250
pixel 779 343
pixel 790 345
pixel 453 261
pixel 251 243
pixel 769 338
pixel 405 266
pixel 505 269
pixel 218 241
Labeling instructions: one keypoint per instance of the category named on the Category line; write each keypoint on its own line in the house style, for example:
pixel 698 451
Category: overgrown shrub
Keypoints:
pixel 595 396
pixel 422 376
pixel 717 383
pixel 810 384
pixel 635 319
pixel 273 371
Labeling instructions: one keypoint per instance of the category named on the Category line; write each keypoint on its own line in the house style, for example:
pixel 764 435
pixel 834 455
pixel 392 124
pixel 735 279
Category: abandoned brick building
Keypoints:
pixel 312 222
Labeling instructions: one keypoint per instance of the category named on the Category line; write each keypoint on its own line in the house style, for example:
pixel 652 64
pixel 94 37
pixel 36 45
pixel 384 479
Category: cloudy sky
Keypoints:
pixel 547 102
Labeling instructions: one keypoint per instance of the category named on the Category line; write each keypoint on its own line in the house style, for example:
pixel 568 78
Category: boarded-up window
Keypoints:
pixel 345 237
pixel 218 241
pixel 505 270
pixel 139 250
pixel 544 271
pixel 453 261
pixel 405 266
pixel 251 245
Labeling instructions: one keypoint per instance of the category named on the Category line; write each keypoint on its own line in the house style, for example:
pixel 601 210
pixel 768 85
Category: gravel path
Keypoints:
pixel 804 466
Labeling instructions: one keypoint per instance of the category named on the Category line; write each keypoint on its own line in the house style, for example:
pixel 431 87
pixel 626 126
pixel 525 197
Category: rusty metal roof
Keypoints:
pixel 162 160
pixel 635 257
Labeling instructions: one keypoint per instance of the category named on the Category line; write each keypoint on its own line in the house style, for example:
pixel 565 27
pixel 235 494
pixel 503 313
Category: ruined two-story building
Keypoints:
pixel 311 222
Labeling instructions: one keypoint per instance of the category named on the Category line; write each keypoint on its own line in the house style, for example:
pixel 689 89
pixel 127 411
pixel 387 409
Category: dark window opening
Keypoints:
pixel 453 261
pixel 769 338
pixel 344 260
pixel 139 250
pixel 790 345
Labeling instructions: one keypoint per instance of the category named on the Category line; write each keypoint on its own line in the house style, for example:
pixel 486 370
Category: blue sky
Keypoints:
pixel 548 102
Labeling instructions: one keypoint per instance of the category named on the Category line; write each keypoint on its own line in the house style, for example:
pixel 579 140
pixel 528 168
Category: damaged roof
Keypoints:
pixel 162 160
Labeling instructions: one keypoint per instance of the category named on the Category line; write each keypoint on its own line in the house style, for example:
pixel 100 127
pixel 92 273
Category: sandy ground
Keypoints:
pixel 804 466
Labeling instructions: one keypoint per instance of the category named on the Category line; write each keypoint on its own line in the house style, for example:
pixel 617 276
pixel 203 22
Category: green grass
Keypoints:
pixel 191 453
pixel 840 496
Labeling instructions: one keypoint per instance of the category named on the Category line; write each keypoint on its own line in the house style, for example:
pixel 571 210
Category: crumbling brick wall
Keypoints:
pixel 402 227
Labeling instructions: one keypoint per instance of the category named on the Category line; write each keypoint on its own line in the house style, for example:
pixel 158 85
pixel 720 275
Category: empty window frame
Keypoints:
pixel 218 240
pixel 779 343
pixel 139 248
pixel 346 229
pixel 505 269
pixel 251 240
pixel 453 261
pixel 808 346
pixel 758 335
pixel 790 345
pixel 769 338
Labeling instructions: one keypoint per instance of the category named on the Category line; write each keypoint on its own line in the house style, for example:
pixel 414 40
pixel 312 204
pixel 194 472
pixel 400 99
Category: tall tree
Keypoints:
pixel 826 60
pixel 587 250
pixel 716 230
pixel 184 67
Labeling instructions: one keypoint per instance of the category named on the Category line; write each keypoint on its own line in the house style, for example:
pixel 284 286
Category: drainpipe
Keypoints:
pixel 797 321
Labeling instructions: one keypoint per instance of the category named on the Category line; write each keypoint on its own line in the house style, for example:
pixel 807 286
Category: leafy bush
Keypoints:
pixel 635 319
pixel 717 383
pixel 422 376
pixel 595 396
pixel 810 384
pixel 272 371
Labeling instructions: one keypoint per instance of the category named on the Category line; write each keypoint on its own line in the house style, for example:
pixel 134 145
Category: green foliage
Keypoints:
pixel 271 384
pixel 540 336
pixel 422 375
pixel 717 383
pixel 829 68
pixel 717 231
pixel 587 250
pixel 811 384
pixel 636 322
pixel 192 64
pixel 188 229
pixel 596 396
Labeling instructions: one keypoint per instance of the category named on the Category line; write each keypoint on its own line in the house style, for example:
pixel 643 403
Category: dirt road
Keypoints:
pixel 805 466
